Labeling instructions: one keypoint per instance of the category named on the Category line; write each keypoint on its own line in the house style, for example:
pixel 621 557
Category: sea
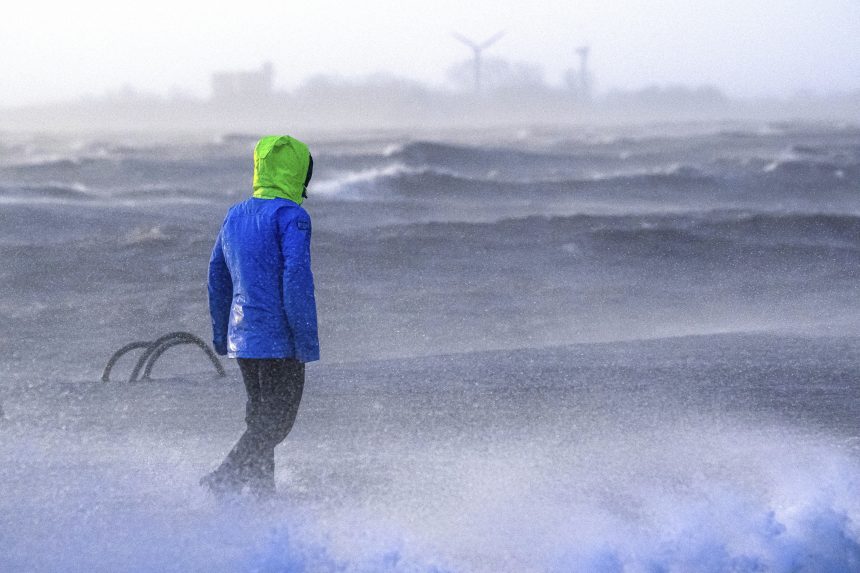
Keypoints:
pixel 630 348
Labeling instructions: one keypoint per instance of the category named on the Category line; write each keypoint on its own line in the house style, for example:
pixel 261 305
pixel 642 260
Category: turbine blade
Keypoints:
pixel 466 41
pixel 493 40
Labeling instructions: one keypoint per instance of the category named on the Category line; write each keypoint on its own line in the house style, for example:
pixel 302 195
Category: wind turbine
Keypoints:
pixel 477 49
pixel 584 83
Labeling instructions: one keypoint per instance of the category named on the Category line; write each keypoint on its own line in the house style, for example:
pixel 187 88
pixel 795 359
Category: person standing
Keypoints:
pixel 263 309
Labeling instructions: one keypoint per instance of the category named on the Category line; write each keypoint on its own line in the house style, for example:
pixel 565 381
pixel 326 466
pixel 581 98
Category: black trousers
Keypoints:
pixel 274 388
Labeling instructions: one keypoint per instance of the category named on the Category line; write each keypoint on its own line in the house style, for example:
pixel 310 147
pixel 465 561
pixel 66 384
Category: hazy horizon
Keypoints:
pixel 60 53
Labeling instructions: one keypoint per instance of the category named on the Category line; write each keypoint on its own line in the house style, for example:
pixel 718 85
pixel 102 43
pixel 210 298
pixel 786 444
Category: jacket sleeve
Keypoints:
pixel 220 296
pixel 298 284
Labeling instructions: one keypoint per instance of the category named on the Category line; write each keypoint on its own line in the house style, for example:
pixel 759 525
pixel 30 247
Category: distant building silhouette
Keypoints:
pixel 243 85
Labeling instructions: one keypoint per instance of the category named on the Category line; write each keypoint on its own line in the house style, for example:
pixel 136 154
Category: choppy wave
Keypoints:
pixel 717 237
pixel 51 191
pixel 118 170
pixel 434 153
pixel 808 228
pixel 62 194
pixel 795 168
pixel 51 162
pixel 434 169
pixel 510 162
pixel 700 159
pixel 799 229
pixel 479 159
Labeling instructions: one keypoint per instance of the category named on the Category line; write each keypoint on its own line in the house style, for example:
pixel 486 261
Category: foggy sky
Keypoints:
pixel 52 51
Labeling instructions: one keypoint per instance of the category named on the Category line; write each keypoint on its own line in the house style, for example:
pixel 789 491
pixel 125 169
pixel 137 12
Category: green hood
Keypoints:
pixel 280 168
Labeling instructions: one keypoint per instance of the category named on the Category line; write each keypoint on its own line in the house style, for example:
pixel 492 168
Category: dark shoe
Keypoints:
pixel 222 483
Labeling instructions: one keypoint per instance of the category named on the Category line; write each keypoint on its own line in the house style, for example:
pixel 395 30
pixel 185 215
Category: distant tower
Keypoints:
pixel 584 80
pixel 477 49
pixel 267 76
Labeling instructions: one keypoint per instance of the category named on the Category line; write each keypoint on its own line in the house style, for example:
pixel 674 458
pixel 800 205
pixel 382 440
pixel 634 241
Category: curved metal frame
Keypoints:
pixel 155 349
pixel 178 339
pixel 157 352
pixel 119 354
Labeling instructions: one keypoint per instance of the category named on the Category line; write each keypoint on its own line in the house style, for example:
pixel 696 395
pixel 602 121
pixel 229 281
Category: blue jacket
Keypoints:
pixel 261 288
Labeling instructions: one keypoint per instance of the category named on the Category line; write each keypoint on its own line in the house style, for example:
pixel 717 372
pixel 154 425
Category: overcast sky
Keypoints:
pixel 60 50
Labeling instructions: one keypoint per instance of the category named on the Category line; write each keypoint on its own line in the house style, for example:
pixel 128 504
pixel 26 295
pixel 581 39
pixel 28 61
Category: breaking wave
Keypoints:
pixel 679 497
pixel 400 178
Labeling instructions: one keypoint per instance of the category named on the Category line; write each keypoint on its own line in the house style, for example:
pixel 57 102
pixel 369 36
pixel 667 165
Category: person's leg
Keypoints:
pixel 281 386
pixel 282 383
pixel 232 474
